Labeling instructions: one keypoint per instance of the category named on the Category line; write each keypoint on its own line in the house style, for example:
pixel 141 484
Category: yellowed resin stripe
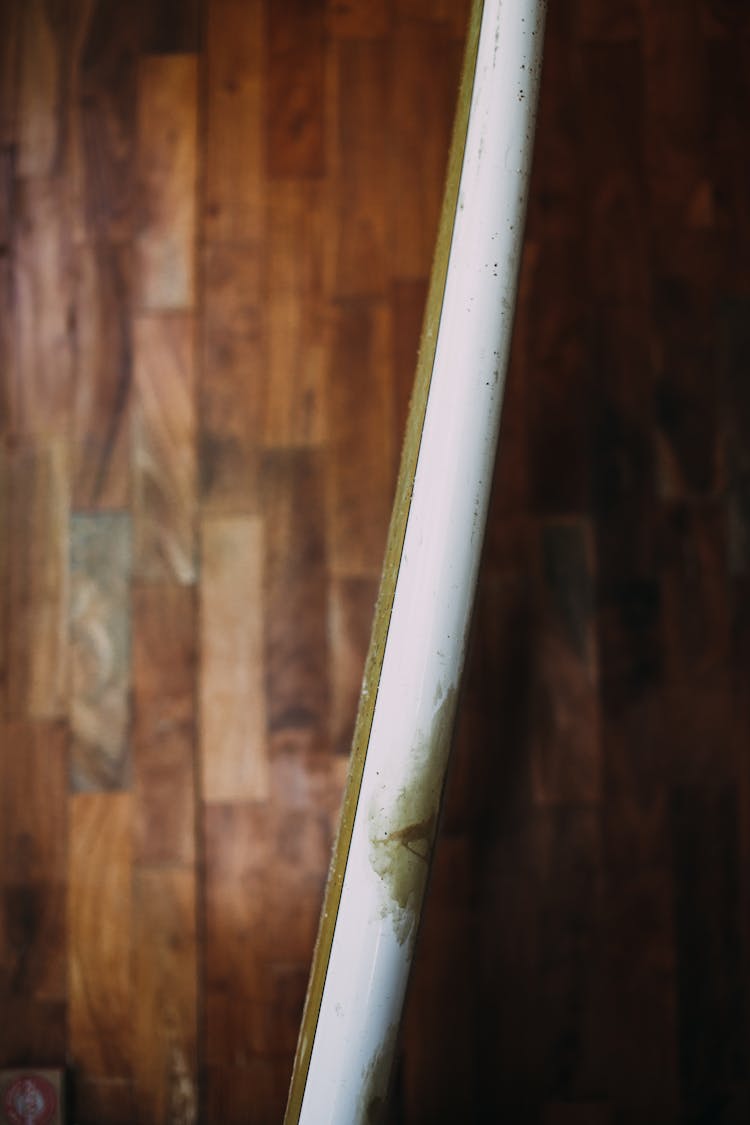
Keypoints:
pixel 394 548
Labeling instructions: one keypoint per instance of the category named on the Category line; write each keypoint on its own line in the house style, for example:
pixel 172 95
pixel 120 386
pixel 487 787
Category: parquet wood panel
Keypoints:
pixel 233 751
pixel 102 398
pixel 216 224
pixel 101 566
pixel 167 176
pixel 163 448
pixel 164 667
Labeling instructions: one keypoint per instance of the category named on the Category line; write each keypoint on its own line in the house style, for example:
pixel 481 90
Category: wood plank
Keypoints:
pixel 362 455
pixel 623 421
pixel 425 75
pixel 238 844
pixel 569 972
pixel 556 197
pixel 38 502
pixel 728 188
pixel 10 42
pixel 453 13
pixel 639 935
pixel 100 929
pixel 164 470
pixel 33 788
pixel 44 310
pixel 101 562
pixel 294 597
pixel 564 711
pixel 614 183
pixel 359 19
pixel 295 85
pixel 6 643
pixel 695 623
pixel 298 327
pixel 233 753
pixel 618 21
pixel 733 345
pixel 102 165
pixel 233 185
pixel 231 392
pixel 104 1099
pixel 164 727
pixel 437 1080
pixel 7 189
pixel 173 26
pixel 709 936
pixel 41 73
pixel 165 982
pixel 361 147
pixel 559 384
pixel 578 1113
pixel 31 1031
pixel 101 405
pixel 33 843
pixel 629 641
pixel 677 129
pixel 686 401
pixel 167 168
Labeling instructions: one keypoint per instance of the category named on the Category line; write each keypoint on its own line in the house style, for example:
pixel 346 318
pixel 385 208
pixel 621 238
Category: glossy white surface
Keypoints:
pixel 374 936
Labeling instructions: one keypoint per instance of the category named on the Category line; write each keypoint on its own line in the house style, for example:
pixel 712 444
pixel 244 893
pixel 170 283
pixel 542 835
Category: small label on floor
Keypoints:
pixel 31 1097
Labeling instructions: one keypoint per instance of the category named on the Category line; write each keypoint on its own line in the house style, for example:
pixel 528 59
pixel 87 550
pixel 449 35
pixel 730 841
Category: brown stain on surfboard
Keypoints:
pixel 401 837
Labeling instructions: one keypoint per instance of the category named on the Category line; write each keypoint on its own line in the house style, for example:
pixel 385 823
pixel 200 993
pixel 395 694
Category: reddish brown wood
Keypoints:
pixel 163 449
pixel 102 1001
pixel 164 723
pixel 362 457
pixel 233 184
pixel 295 78
pixel 231 396
pixel 102 401
pixel 167 171
pixel 361 233
pixel 295 621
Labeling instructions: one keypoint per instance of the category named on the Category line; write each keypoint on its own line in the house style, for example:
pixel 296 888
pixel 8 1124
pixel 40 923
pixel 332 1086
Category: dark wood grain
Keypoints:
pixel 296 627
pixel 361 466
pixel 362 77
pixel 295 77
pixel 233 184
pixel 298 327
pixel 424 83
pixel 103 122
pixel 163 449
pixel 231 393
pixel 43 307
pixel 164 723
pixel 564 710
pixel 102 401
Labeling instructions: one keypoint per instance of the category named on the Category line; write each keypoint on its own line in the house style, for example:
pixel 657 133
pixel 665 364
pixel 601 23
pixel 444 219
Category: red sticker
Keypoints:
pixel 30 1100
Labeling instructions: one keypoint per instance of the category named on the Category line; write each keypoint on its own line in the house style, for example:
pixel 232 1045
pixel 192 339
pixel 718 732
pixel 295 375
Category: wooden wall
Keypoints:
pixel 216 226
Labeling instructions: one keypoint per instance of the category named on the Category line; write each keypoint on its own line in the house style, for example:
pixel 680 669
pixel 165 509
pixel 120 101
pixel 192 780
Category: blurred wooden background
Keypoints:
pixel 216 225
